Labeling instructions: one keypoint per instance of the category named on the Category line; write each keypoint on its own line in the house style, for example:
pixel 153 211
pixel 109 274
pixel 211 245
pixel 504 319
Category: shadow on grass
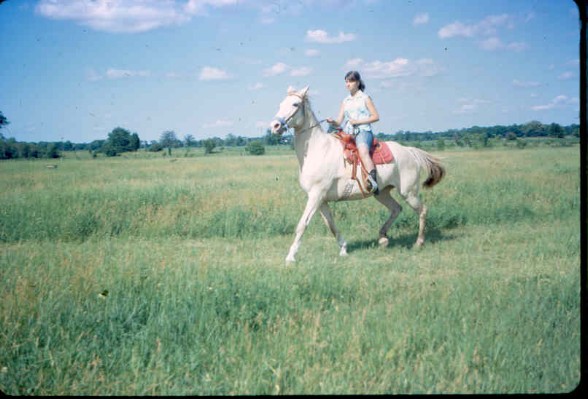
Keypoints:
pixel 404 241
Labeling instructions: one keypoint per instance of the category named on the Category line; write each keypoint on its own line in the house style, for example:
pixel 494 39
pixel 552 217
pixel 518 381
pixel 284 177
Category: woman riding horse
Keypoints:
pixel 360 112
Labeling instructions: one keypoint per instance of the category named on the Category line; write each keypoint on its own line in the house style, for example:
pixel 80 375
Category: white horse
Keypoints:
pixel 325 176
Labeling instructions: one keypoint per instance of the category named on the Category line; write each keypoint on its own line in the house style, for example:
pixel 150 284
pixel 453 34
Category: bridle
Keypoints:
pixel 284 121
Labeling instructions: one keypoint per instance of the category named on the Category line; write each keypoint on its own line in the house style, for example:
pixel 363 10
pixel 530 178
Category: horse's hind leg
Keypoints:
pixel 329 221
pixel 394 207
pixel 415 203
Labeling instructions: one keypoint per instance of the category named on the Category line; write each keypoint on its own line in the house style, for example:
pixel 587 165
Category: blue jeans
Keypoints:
pixel 364 137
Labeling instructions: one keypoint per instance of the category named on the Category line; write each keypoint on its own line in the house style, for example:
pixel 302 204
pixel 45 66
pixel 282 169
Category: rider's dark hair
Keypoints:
pixel 354 76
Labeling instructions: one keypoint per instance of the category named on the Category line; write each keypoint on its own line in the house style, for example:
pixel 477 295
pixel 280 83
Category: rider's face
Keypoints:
pixel 352 85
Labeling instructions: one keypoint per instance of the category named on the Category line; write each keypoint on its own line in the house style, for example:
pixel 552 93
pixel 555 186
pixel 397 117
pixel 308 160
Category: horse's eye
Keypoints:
pixel 296 105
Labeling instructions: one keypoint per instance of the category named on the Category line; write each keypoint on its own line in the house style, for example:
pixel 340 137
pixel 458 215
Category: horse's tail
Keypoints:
pixel 431 164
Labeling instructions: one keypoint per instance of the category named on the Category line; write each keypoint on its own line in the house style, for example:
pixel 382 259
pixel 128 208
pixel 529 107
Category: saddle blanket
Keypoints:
pixel 379 151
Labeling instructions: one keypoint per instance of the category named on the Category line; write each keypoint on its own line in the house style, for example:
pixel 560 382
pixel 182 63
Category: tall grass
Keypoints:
pixel 145 276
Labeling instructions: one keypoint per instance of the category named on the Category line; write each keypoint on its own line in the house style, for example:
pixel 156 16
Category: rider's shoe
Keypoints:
pixel 372 185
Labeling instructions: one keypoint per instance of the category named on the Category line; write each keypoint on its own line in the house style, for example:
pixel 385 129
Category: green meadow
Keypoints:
pixel 151 275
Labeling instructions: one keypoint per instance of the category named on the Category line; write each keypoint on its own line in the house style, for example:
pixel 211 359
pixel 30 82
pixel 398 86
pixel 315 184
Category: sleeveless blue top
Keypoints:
pixel 355 108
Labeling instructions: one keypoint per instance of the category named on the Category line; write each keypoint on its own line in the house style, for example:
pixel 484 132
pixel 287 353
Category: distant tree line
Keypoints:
pixel 121 140
pixel 10 148
pixel 477 135
pixel 254 146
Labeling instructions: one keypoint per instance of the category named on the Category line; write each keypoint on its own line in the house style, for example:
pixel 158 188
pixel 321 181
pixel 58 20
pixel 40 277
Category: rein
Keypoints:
pixel 313 126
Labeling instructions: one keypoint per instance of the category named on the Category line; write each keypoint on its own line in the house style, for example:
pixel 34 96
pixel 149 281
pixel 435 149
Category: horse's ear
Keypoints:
pixel 304 91
pixel 291 90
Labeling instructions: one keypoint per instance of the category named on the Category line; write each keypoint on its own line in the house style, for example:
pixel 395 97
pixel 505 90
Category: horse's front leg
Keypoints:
pixel 330 222
pixel 313 203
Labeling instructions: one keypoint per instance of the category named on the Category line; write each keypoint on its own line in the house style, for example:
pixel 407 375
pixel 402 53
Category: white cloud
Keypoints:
pixel 302 71
pixel 256 86
pixel 127 16
pixel 211 73
pixel 117 16
pixel 381 69
pixel 218 123
pixel 420 19
pixel 469 106
pixel 456 29
pixel 281 68
pixel 486 27
pixel 520 83
pixel 199 6
pixel 556 102
pixel 312 52
pixel 354 63
pixel 113 73
pixel 566 76
pixel 395 68
pixel 574 62
pixel 276 69
pixel 321 36
pixel 494 43
pixel 516 46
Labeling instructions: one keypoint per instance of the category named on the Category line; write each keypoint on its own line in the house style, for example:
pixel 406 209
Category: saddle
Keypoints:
pixel 379 152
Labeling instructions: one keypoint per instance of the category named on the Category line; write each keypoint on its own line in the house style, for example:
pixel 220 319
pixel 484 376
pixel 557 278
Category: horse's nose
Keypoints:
pixel 276 125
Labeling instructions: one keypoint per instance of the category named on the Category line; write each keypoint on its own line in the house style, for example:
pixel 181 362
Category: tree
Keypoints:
pixel 231 140
pixel 3 120
pixel 154 146
pixel 241 141
pixel 189 140
pixel 555 130
pixel 440 144
pixel 120 140
pixel 52 151
pixel 8 148
pixel 255 148
pixel 533 128
pixel 135 142
pixel 209 145
pixel 170 140
pixel 68 146
pixel 271 139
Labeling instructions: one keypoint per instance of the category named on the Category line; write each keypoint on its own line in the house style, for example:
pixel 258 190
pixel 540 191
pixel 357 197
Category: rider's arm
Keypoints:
pixel 337 122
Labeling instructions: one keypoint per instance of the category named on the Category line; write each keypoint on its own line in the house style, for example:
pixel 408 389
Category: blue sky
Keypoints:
pixel 76 69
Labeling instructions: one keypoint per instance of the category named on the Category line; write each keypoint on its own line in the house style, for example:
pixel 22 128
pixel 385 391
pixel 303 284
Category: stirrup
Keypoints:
pixel 372 186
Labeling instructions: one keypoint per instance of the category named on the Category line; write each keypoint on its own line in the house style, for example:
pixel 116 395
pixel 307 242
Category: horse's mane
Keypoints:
pixel 305 97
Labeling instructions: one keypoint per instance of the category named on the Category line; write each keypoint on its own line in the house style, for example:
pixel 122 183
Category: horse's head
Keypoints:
pixel 288 114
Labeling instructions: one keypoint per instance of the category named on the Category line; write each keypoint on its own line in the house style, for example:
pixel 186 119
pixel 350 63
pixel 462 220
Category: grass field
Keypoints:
pixel 150 275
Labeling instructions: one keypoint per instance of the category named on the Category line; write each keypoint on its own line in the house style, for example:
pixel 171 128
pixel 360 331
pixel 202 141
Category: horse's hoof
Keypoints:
pixel 290 261
pixel 383 242
pixel 343 252
pixel 419 243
